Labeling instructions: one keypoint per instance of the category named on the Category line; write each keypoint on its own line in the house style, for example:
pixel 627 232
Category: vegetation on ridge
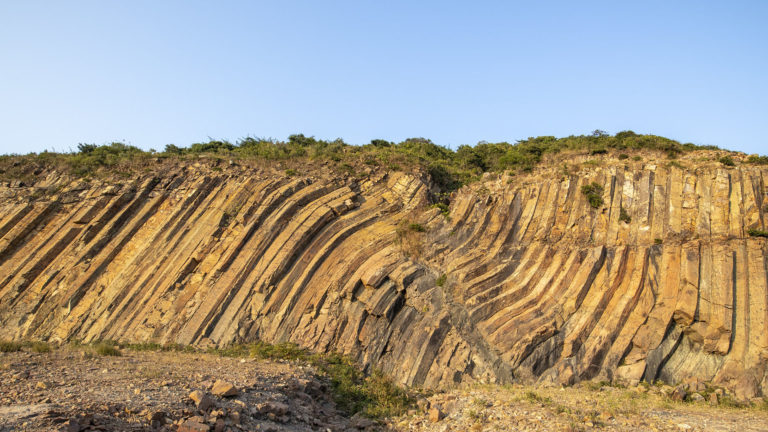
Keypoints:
pixel 448 169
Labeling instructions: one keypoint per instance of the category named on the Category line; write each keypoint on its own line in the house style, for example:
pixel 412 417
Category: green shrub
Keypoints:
pixel 380 143
pixel 440 281
pixel 593 192
pixel 448 169
pixel 444 209
pixel 534 397
pixel 676 164
pixel 372 395
pixel 280 351
pixel 729 402
pixel 757 233
pixel 624 216
pixel 9 346
pixel 107 349
pixel 416 227
pixel 727 161
pixel 172 149
pixel 41 347
pixel 758 160
pixel 212 146
pixel 623 156
pixel 144 346
pixel 658 241
pixel 290 172
pixel 762 405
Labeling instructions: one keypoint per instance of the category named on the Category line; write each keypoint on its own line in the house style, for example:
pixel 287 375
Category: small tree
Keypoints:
pixel 86 148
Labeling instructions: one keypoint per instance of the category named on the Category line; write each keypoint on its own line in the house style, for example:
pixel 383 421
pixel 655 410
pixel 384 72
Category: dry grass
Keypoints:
pixel 8 346
pixel 153 373
pixel 41 347
pixel 589 399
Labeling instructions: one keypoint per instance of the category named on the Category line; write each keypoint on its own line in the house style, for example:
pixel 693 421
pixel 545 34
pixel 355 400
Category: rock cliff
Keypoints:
pixel 522 280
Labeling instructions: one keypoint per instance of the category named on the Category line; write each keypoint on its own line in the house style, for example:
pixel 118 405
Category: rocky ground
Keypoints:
pixel 72 391
pixel 580 408
pixel 75 390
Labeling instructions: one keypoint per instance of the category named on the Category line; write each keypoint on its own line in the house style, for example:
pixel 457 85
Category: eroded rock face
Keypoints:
pixel 538 285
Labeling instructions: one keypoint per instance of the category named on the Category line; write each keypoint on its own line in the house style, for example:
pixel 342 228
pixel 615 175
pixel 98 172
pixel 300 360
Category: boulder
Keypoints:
pixel 224 389
pixel 277 409
pixel 679 393
pixel 202 401
pixel 193 426
pixel 435 414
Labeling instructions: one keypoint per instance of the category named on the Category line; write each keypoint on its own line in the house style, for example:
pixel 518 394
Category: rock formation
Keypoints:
pixel 522 280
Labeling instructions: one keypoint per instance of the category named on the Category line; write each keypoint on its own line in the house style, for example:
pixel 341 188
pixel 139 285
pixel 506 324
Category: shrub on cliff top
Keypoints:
pixel 727 161
pixel 448 169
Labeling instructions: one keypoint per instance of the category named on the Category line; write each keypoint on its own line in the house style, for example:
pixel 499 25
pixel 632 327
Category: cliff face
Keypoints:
pixel 523 280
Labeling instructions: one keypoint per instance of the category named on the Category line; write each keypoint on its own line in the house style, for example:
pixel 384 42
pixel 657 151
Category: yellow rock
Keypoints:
pixel 540 285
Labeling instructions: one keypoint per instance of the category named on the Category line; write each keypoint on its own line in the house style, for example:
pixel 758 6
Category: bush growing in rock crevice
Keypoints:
pixel 624 216
pixel 594 194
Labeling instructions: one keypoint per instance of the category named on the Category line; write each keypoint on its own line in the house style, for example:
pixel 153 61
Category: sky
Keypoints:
pixel 151 73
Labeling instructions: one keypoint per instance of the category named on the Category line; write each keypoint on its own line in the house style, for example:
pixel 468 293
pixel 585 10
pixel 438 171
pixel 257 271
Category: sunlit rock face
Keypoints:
pixel 523 280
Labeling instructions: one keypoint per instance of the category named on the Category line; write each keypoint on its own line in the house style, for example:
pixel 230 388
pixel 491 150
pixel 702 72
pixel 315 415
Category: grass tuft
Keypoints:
pixel 624 216
pixel 417 227
pixel 533 397
pixel 9 346
pixel 107 349
pixel 41 347
pixel 757 233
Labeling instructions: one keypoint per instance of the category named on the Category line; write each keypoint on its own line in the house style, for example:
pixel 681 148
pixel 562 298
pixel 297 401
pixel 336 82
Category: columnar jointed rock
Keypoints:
pixel 537 284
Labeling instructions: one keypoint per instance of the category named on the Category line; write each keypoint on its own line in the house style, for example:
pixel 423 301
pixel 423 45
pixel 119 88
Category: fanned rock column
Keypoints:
pixel 524 280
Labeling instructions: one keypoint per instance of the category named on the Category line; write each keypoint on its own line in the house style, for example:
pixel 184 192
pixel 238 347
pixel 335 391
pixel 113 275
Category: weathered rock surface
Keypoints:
pixel 538 285
pixel 224 389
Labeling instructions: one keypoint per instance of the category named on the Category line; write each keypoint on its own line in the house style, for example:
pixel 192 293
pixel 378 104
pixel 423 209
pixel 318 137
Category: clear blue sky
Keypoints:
pixel 151 73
